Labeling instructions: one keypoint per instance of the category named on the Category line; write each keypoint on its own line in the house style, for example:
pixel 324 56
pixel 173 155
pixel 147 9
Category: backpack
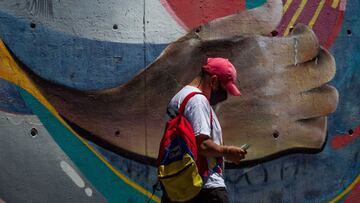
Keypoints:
pixel 179 166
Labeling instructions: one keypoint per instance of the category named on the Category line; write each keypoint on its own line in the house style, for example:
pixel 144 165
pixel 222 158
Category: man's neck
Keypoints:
pixel 200 83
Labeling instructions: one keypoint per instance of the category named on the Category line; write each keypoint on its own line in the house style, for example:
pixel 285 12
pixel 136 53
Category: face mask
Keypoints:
pixel 218 96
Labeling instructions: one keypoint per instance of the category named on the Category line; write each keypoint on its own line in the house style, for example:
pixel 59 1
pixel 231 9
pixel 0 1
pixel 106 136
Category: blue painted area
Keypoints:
pixel 347 80
pixel 254 3
pixel 80 63
pixel 144 175
pixel 10 99
pixel 102 178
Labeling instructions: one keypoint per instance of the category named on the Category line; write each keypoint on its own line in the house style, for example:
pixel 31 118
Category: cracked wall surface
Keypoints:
pixel 84 86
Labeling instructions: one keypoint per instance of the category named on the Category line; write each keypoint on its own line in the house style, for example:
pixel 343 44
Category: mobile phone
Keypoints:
pixel 245 146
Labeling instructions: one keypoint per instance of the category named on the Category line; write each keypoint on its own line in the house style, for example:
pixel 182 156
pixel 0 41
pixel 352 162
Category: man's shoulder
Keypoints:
pixel 180 95
pixel 199 99
pixel 188 89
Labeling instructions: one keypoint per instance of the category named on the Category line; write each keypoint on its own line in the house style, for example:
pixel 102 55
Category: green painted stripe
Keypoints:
pixel 101 177
pixel 254 3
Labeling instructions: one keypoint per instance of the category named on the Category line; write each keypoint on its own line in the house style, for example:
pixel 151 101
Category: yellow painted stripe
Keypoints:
pixel 295 17
pixel 317 13
pixel 10 71
pixel 335 3
pixel 287 5
pixel 347 190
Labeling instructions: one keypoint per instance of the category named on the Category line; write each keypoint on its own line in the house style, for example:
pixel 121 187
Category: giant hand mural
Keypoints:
pixel 83 61
pixel 282 80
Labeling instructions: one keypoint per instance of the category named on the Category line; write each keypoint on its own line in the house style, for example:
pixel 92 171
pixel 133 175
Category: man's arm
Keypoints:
pixel 208 148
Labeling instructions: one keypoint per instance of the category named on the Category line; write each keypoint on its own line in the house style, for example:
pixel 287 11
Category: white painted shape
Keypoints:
pixel 73 175
pixel 17 119
pixel 88 191
pixel 160 25
pixel 95 19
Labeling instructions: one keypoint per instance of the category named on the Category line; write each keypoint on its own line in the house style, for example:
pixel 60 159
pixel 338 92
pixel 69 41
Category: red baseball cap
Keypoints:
pixel 226 72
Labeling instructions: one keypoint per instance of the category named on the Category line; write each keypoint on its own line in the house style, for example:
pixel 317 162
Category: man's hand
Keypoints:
pixel 233 154
pixel 207 148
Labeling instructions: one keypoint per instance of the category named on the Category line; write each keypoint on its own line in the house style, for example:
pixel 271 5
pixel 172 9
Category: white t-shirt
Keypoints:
pixel 197 112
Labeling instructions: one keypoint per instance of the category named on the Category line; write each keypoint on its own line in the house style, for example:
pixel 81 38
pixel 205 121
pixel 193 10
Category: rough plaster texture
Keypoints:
pixel 74 43
pixel 30 165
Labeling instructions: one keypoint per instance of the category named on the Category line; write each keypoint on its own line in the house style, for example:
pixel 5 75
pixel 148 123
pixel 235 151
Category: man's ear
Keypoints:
pixel 214 80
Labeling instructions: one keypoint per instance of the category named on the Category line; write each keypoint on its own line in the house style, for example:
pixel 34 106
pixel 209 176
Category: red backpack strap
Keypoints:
pixel 201 162
pixel 211 119
pixel 187 98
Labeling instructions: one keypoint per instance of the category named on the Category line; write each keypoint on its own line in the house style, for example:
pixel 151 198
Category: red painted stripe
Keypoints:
pixel 354 195
pixel 173 14
pixel 287 16
pixel 308 12
pixel 325 23
pixel 192 13
pixel 335 31
pixel 197 12
pixel 328 2
pixel 340 141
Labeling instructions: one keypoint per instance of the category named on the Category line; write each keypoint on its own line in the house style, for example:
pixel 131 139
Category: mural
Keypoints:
pixel 98 76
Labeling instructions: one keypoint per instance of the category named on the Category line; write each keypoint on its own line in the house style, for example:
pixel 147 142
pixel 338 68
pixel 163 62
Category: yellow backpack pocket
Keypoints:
pixel 180 179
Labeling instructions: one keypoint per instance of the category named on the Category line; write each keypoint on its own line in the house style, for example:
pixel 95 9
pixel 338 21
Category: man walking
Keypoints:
pixel 216 80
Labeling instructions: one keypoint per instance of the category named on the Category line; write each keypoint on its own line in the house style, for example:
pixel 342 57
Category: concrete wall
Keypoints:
pixel 68 65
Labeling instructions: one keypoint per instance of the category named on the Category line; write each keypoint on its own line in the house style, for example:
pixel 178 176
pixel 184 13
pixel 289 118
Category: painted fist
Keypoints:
pixel 284 102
